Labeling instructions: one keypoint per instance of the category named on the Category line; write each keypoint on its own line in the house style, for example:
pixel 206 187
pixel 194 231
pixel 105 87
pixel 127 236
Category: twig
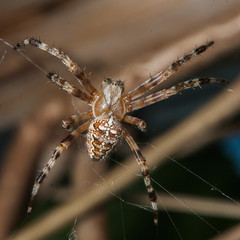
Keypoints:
pixel 200 205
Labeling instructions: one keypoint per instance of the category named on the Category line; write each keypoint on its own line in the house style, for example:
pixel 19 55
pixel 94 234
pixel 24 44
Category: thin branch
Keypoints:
pixel 231 234
pixel 198 204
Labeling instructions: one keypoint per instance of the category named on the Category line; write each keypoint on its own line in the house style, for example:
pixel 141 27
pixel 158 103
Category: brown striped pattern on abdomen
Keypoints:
pixel 103 134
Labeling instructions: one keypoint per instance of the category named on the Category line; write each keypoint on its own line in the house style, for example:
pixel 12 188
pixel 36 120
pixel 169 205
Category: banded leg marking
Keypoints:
pixel 57 152
pixel 162 76
pixel 139 123
pixel 68 122
pixel 66 86
pixel 145 173
pixel 72 66
pixel 166 93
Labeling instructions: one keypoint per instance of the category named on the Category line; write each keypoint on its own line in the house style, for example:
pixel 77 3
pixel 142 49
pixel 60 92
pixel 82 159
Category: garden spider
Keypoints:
pixel 110 107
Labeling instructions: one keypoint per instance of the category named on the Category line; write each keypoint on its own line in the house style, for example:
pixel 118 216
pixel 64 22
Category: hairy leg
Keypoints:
pixel 162 76
pixel 57 152
pixel 72 66
pixel 72 90
pixel 145 173
pixel 166 93
pixel 139 123
pixel 68 122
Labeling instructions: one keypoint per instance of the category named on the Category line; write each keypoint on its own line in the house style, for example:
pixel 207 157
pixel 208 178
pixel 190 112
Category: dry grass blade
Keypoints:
pixel 231 234
pixel 198 204
pixel 31 135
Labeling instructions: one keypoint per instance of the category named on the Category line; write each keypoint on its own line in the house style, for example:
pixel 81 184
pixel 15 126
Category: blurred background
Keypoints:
pixel 127 40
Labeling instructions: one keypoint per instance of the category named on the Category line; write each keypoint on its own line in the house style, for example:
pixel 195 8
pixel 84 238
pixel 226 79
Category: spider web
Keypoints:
pixel 123 202
pixel 159 185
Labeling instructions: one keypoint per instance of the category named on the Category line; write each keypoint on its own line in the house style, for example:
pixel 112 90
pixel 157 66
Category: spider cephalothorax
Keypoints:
pixel 110 107
pixel 109 100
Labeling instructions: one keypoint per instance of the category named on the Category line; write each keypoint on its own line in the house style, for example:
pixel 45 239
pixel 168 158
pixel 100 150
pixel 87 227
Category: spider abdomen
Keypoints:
pixel 103 134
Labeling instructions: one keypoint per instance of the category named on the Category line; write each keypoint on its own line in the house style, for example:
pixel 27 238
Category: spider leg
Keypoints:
pixel 62 146
pixel 68 122
pixel 72 66
pixel 139 123
pixel 162 76
pixel 145 173
pixel 66 86
pixel 166 93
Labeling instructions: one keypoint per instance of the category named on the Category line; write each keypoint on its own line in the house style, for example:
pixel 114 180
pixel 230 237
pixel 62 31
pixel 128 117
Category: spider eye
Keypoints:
pixel 107 80
pixel 119 83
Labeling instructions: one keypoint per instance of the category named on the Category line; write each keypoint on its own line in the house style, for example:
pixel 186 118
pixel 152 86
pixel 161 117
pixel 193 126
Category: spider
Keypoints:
pixel 109 107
